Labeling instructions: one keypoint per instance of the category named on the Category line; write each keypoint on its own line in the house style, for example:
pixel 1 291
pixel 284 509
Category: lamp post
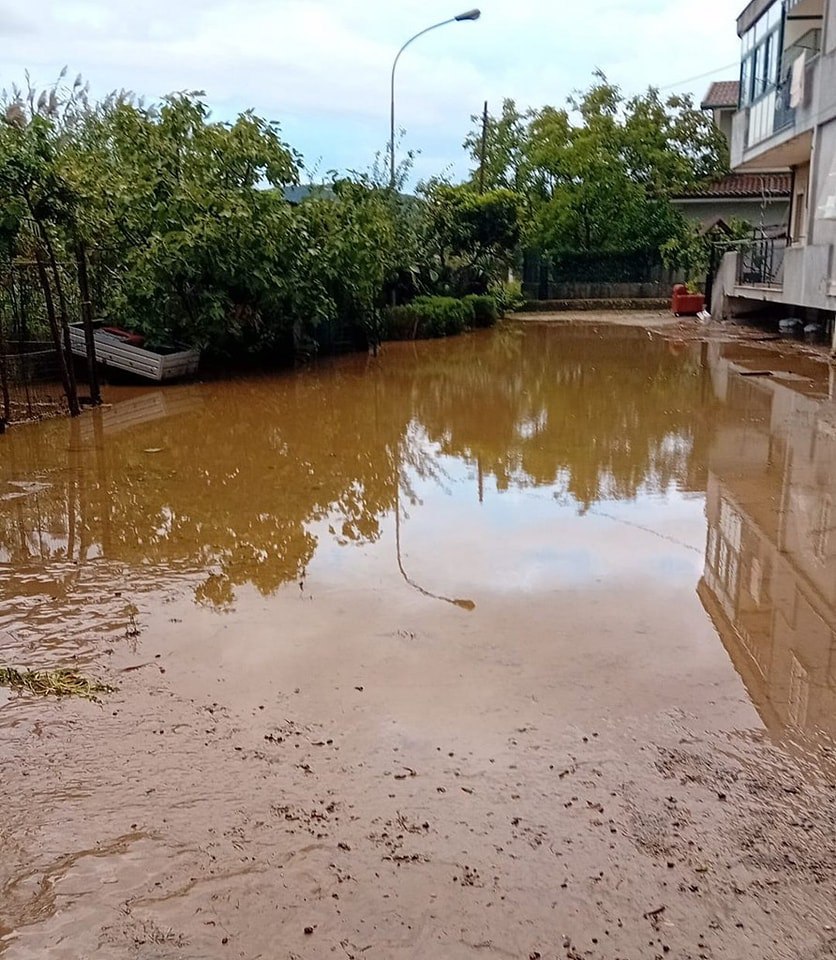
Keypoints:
pixel 468 15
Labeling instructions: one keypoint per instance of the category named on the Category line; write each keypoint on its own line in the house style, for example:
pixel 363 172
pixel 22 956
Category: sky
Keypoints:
pixel 321 67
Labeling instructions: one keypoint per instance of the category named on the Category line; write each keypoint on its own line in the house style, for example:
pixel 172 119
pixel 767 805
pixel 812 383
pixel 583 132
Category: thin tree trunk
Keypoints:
pixel 87 318
pixel 54 328
pixel 6 415
pixel 65 324
pixel 65 356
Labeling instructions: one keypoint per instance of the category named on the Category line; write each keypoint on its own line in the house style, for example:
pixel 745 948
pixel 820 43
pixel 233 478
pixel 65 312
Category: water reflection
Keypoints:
pixel 235 479
pixel 218 486
pixel 770 568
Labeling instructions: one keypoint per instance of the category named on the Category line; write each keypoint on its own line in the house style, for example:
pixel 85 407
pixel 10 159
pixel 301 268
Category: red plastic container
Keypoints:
pixel 684 304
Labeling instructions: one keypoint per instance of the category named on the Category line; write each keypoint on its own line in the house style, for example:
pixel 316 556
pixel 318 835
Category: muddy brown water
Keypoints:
pixel 517 645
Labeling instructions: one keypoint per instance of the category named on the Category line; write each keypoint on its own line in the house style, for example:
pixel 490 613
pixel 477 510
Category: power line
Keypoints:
pixel 700 76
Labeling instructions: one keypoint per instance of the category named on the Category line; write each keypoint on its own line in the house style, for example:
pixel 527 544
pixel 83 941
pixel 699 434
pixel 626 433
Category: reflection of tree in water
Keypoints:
pixel 241 483
pixel 232 487
pixel 601 415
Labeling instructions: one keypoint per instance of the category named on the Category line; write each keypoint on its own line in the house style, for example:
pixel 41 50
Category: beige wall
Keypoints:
pixel 723 122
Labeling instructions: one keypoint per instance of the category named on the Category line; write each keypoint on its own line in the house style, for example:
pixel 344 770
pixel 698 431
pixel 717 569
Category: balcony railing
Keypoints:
pixel 784 113
pixel 760 262
pixel 809 46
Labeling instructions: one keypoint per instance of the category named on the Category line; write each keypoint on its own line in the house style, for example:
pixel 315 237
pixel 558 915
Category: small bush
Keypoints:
pixel 485 312
pixel 430 317
pixel 401 323
pixel 508 296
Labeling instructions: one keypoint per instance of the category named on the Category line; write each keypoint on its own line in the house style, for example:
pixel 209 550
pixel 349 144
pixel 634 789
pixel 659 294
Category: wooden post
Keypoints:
pixel 483 149
pixel 87 318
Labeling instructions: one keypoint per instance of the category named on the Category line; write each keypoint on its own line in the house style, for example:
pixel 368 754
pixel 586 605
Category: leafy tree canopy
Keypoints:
pixel 598 173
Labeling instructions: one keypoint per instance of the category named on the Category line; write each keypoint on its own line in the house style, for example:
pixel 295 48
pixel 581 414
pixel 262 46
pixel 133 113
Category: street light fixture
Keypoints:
pixel 467 15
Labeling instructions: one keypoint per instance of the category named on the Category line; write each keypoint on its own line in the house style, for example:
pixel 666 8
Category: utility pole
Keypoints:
pixel 483 149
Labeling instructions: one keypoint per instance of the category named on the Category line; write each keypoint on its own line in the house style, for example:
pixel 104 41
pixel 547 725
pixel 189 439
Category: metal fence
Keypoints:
pixel 760 262
pixel 589 275
pixel 37 367
pixel 30 382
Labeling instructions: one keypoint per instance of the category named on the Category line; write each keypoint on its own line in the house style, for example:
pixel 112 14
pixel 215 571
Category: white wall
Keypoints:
pixel 830 27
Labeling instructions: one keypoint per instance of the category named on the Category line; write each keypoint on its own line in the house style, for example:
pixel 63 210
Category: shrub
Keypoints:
pixel 430 317
pixel 401 323
pixel 508 296
pixel 443 316
pixel 485 312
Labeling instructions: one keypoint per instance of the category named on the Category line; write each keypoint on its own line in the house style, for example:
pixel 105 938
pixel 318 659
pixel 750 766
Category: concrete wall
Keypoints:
pixel 824 182
pixel 723 121
pixel 800 214
pixel 737 142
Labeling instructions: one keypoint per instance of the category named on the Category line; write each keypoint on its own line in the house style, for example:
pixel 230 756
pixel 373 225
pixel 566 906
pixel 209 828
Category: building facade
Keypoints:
pixel 762 199
pixel 786 120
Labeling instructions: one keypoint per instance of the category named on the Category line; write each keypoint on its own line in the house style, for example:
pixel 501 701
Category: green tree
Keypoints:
pixel 474 236
pixel 505 160
pixel 597 174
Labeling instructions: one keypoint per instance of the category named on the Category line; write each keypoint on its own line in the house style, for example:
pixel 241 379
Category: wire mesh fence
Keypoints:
pixel 37 378
pixel 30 381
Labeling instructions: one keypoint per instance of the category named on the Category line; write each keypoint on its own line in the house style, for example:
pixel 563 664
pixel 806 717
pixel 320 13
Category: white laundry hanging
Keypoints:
pixel 797 80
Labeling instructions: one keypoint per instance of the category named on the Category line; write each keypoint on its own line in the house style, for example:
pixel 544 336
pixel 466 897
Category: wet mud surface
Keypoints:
pixel 520 645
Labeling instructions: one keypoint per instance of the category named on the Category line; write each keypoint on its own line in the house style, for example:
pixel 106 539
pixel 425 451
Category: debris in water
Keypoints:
pixel 60 683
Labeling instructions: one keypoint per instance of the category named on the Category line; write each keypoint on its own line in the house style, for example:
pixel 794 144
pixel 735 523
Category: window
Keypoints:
pixel 773 59
pixel 745 81
pixel 761 55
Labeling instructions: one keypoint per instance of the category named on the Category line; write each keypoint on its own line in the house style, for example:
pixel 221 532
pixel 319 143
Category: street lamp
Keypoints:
pixel 468 15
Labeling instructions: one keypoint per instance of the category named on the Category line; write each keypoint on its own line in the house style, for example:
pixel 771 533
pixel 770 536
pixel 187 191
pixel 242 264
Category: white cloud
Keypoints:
pixel 323 65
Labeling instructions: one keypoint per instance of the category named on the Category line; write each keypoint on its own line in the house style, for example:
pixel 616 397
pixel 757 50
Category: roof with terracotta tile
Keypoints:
pixel 724 93
pixel 742 186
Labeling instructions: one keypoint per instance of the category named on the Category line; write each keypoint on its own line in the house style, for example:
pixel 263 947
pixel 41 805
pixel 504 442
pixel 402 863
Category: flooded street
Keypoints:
pixel 516 645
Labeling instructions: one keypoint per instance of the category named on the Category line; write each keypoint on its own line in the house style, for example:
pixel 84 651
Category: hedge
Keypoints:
pixel 485 312
pixel 434 317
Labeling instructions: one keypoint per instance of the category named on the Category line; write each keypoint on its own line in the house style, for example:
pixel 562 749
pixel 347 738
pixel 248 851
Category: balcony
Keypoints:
pixel 770 133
